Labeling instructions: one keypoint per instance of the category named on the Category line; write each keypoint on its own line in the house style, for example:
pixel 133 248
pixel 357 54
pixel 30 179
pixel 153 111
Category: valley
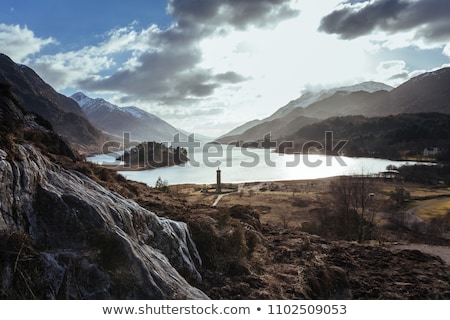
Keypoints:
pixel 72 229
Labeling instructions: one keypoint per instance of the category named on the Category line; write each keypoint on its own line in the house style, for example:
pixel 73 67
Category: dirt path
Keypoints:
pixel 220 196
pixel 428 204
pixel 216 202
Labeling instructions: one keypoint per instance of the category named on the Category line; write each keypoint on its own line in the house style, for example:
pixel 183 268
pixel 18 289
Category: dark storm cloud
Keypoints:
pixel 237 13
pixel 403 76
pixel 171 73
pixel 162 75
pixel 230 77
pixel 166 76
pixel 429 17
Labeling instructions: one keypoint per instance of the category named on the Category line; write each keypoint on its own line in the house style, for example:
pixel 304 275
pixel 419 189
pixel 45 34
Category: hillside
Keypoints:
pixel 394 136
pixel 278 128
pixel 63 113
pixel 294 109
pixel 310 97
pixel 428 92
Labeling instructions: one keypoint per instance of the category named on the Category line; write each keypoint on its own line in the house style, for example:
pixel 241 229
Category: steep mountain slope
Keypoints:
pixel 392 136
pixel 142 125
pixel 63 236
pixel 293 116
pixel 306 99
pixel 343 104
pixel 277 128
pixel 241 129
pixel 64 114
pixel 429 92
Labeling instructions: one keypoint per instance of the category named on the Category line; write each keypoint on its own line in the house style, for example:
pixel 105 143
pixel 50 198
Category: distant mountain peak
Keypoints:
pixel 90 105
pixel 368 86
pixel 81 98
pixel 142 125
pixel 309 97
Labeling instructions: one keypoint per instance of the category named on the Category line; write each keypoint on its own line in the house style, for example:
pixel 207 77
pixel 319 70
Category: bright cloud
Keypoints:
pixel 446 50
pixel 69 69
pixel 20 42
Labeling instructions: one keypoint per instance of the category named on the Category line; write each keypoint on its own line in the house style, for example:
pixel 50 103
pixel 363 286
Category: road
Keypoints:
pixel 428 204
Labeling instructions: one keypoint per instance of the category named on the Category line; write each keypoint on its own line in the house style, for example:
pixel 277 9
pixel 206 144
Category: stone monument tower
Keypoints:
pixel 218 181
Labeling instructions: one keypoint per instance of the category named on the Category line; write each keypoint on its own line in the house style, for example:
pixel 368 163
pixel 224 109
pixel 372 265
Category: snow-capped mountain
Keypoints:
pixel 90 106
pixel 142 125
pixel 138 113
pixel 308 98
pixel 428 92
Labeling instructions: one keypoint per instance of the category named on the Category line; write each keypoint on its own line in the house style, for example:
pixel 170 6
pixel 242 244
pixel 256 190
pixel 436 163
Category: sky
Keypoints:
pixel 207 66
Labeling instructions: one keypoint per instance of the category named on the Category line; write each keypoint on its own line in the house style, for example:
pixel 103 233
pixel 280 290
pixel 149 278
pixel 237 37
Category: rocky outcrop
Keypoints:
pixel 64 236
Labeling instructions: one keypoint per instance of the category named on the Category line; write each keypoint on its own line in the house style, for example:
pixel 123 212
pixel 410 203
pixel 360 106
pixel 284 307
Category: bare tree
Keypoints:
pixel 352 195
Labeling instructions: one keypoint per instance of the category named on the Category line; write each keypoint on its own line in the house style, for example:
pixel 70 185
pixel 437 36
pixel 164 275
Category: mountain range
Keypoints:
pixel 115 120
pixel 428 92
pixel 400 136
pixel 85 123
pixel 306 99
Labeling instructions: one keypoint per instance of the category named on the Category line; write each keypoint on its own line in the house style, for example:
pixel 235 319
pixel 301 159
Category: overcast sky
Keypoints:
pixel 210 65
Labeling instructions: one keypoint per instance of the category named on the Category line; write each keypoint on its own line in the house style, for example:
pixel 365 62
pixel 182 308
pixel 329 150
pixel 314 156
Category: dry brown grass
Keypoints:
pixel 292 203
pixel 433 208
pixel 417 191
pixel 285 203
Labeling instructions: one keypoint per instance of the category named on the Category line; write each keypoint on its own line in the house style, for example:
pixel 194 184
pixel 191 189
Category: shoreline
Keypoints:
pixel 119 167
pixel 262 182
pixel 192 177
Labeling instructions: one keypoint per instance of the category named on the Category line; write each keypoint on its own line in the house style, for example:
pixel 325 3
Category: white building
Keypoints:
pixel 431 152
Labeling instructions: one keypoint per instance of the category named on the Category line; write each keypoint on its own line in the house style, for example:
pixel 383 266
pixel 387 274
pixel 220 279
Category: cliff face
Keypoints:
pixel 64 236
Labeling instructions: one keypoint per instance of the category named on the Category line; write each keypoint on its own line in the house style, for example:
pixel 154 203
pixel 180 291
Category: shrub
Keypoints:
pixel 21 269
pixel 162 185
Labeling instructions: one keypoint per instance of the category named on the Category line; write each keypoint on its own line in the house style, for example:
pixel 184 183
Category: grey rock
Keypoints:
pixel 92 243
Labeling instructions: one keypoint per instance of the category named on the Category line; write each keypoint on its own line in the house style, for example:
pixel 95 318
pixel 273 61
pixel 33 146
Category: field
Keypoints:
pixel 291 203
pixel 279 202
pixel 421 222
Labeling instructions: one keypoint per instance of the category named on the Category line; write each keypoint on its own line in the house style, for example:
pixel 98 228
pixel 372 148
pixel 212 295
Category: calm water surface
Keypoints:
pixel 248 165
